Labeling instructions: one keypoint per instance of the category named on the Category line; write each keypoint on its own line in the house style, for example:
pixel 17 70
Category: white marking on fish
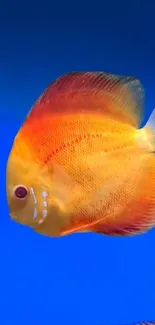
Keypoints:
pixel 33 194
pixel 44 213
pixel 40 221
pixel 35 214
pixel 44 194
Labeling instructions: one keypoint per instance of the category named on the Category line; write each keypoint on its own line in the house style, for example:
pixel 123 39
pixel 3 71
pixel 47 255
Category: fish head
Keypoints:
pixel 27 187
pixel 36 195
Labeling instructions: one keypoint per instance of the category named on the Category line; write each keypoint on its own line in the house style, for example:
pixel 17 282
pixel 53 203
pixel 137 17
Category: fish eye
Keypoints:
pixel 20 192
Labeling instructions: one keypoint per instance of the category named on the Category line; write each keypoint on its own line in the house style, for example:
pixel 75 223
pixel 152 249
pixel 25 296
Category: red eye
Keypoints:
pixel 20 192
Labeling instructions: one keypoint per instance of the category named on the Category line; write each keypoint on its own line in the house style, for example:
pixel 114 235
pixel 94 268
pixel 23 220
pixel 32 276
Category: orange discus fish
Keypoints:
pixel 81 163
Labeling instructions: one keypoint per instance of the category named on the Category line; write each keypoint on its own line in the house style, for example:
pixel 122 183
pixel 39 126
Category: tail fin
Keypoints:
pixel 149 131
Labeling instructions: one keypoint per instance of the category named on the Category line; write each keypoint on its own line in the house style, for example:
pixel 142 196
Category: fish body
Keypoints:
pixel 80 162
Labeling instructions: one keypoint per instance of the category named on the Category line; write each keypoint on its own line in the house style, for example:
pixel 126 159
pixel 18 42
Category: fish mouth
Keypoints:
pixel 13 216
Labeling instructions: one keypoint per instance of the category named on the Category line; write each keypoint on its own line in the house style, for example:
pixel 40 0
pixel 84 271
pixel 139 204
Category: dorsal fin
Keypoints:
pixel 119 97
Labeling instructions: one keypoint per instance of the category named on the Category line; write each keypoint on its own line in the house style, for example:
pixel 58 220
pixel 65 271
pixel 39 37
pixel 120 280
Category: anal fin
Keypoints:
pixel 120 231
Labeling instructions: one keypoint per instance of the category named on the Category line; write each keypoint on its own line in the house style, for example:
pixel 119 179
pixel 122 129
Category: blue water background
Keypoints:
pixel 84 279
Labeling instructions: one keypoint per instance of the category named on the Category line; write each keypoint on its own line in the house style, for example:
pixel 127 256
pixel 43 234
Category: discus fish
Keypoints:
pixel 81 162
pixel 144 323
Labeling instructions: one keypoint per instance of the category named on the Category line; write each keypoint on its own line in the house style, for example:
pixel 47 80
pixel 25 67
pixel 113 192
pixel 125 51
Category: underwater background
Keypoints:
pixel 85 278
